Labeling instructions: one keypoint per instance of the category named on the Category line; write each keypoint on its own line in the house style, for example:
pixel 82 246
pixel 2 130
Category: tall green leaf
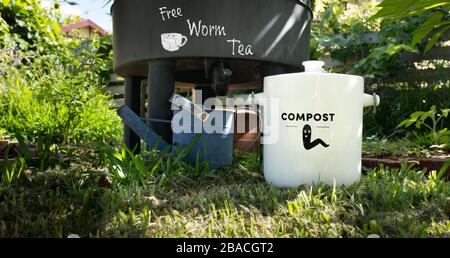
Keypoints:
pixel 443 170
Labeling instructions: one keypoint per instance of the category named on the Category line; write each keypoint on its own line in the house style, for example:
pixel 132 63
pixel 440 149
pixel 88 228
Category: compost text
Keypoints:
pixel 308 116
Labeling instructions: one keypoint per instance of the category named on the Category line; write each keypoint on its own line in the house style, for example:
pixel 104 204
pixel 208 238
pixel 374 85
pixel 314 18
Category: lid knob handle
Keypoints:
pixel 313 66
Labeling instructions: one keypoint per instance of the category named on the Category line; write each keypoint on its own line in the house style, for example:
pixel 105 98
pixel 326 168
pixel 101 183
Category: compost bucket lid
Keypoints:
pixel 313 66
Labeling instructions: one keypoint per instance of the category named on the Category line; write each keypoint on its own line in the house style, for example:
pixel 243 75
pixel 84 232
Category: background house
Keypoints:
pixel 84 28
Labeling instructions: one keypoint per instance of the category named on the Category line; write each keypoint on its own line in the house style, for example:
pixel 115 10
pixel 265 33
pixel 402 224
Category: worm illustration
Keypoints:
pixel 307 139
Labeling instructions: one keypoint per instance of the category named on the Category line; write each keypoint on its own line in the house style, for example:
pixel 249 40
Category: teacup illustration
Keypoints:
pixel 173 41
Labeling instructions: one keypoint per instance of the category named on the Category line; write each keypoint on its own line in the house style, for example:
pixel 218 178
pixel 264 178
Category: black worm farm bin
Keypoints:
pixel 206 44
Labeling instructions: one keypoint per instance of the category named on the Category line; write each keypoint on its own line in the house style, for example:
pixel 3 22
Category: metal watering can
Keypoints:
pixel 207 135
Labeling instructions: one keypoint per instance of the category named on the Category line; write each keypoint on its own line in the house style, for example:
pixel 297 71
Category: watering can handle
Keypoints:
pixel 197 111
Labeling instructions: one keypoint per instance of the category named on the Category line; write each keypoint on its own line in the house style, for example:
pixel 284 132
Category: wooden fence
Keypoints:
pixel 413 74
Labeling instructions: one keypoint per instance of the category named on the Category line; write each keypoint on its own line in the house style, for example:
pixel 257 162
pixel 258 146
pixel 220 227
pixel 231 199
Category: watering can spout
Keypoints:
pixel 371 100
pixel 150 137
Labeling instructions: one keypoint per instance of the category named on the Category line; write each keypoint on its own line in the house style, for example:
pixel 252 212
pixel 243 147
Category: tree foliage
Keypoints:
pixel 342 31
pixel 29 26
pixel 436 24
pixel 51 86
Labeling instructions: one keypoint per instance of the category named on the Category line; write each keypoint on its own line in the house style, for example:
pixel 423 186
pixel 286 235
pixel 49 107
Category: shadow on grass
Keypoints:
pixel 72 197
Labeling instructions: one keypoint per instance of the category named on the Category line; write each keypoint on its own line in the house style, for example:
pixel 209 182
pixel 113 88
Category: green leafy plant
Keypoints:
pixel 437 23
pixel 2 134
pixel 12 172
pixel 126 167
pixel 346 32
pixel 51 86
pixel 380 60
pixel 430 120
pixel 30 27
pixel 443 171
pixel 60 107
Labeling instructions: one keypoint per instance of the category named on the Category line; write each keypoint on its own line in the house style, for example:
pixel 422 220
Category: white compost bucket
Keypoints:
pixel 313 127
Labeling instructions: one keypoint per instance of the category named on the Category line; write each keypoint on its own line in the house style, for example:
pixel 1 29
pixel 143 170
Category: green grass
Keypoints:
pixel 172 199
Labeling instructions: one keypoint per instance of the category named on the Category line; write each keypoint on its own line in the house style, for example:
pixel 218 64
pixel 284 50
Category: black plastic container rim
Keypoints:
pixel 299 2
pixel 305 5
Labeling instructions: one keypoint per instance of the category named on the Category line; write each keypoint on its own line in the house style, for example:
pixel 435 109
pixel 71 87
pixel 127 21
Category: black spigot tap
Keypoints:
pixel 221 78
